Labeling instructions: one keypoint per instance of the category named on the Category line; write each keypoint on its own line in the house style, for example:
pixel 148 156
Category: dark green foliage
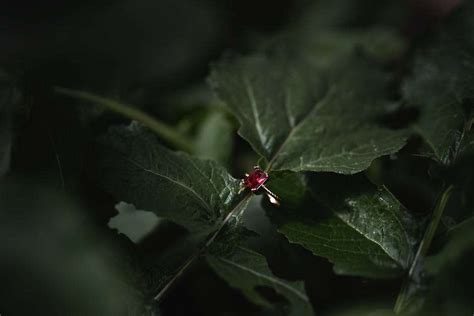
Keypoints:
pixel 441 85
pixel 367 139
pixel 362 229
pixel 248 271
pixel 301 117
pixel 191 192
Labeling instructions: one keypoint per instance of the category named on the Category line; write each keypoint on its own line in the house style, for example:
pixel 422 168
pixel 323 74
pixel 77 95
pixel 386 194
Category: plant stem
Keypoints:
pixel 423 248
pixel 431 230
pixel 239 208
pixel 161 129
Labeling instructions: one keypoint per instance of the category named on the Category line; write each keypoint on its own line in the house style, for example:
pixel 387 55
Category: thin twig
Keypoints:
pixel 235 212
pixel 58 161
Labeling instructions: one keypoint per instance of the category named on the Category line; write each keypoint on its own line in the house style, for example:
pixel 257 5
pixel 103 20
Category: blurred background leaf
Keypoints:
pixel 55 259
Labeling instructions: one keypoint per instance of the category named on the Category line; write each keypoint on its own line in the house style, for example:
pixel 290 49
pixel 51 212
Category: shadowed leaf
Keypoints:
pixel 248 271
pixel 442 86
pixel 189 191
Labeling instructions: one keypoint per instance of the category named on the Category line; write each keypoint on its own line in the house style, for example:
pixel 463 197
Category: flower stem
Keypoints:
pixel 406 291
pixel 166 132
pixel 236 211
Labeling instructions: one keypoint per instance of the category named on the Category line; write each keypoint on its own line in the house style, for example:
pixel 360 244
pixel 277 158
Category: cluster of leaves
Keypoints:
pixel 306 107
pixel 326 116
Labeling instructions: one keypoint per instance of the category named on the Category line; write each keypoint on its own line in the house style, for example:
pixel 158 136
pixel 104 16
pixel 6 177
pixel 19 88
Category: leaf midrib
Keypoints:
pixel 329 239
pixel 296 126
pixel 253 104
pixel 380 245
pixel 367 237
pixel 183 185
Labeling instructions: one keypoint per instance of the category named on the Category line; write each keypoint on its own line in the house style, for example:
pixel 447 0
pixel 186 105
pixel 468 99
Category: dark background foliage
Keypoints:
pixel 58 255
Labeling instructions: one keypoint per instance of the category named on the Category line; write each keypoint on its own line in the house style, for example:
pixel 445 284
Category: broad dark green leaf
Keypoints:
pixel 300 117
pixel 248 271
pixel 350 251
pixel 366 233
pixel 442 85
pixel 189 191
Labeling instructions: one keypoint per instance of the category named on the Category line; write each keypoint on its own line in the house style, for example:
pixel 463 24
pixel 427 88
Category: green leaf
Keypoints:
pixel 133 223
pixel 189 191
pixel 442 86
pixel 248 271
pixel 292 188
pixel 350 251
pixel 300 117
pixel 366 233
pixel 214 138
